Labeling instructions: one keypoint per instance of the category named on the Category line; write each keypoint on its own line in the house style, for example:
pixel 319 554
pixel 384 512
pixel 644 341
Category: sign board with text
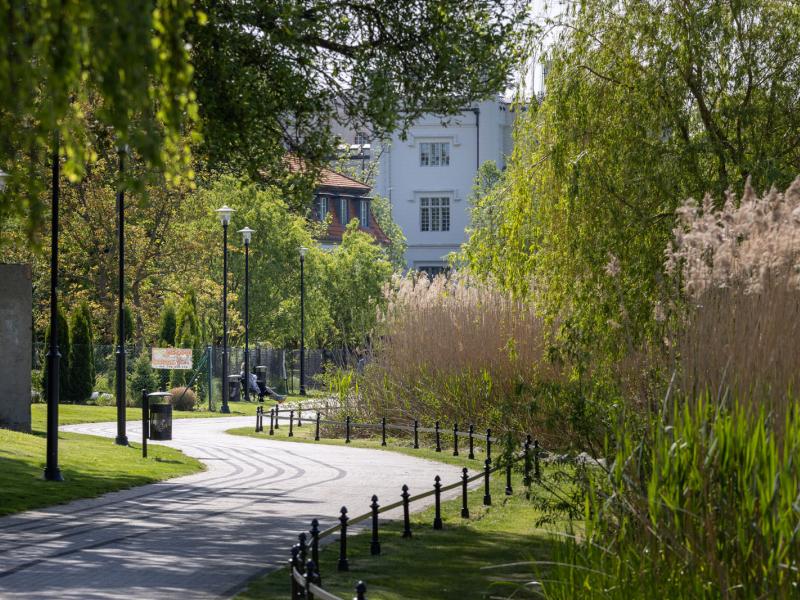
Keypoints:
pixel 171 358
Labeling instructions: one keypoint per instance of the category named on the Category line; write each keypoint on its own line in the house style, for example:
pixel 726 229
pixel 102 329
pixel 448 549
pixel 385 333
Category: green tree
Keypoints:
pixel 81 362
pixel 167 325
pixel 396 251
pixel 647 103
pixel 142 378
pixel 187 335
pixel 63 343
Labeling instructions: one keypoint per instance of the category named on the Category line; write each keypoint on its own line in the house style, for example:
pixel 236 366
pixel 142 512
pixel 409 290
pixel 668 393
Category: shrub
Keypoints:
pixel 183 398
pixel 143 378
pixel 64 351
pixel 81 363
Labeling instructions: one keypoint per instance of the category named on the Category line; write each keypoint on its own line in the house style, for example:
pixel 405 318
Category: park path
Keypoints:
pixel 202 535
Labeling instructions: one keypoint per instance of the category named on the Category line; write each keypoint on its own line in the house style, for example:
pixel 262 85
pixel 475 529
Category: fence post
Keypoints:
pixel 258 414
pixel 299 415
pixel 303 552
pixel 487 494
pixel 383 431
pixel 437 494
pixel 210 368
pixel 316 432
pixel 526 478
pixel 536 473
pixel 375 545
pixel 471 442
pixel 291 422
pixel 272 421
pixel 489 444
pixel 343 565
pixel 361 591
pixel 509 490
pixel 277 415
pixel 455 439
pixel 292 565
pixel 347 429
pixel 416 434
pixel 438 438
pixel 406 521
pixel 315 541
pixel 464 505
pixel 312 576
pixel 145 422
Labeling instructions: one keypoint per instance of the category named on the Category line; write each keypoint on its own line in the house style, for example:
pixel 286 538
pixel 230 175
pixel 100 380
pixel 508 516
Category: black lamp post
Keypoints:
pixel 303 251
pixel 51 470
pixel 122 438
pixel 247 233
pixel 225 218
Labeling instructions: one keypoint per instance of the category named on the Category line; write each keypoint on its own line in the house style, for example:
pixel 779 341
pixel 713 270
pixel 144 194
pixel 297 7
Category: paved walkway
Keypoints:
pixel 203 535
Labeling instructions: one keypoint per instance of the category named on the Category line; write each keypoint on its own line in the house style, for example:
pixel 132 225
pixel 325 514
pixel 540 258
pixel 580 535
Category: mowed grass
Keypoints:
pixel 91 466
pixel 464 560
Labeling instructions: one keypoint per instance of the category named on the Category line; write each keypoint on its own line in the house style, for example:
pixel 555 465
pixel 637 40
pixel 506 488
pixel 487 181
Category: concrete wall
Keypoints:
pixel 16 297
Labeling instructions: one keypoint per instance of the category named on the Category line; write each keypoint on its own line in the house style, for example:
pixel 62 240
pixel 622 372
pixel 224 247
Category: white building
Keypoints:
pixel 428 177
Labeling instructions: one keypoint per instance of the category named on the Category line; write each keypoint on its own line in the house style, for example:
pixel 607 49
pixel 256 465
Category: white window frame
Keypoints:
pixel 361 138
pixel 434 153
pixel 363 213
pixel 322 207
pixel 344 211
pixel 434 213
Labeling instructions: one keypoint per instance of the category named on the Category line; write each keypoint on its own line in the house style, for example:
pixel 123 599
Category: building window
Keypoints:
pixel 322 207
pixel 363 213
pixel 361 138
pixel 434 154
pixel 434 214
pixel 343 216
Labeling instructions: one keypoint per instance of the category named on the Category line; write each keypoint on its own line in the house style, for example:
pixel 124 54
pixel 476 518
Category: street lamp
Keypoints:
pixel 225 217
pixel 246 235
pixel 303 251
pixel 122 438
pixel 51 470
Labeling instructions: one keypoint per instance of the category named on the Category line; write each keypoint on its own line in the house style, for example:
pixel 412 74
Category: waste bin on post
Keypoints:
pixel 160 409
pixel 234 388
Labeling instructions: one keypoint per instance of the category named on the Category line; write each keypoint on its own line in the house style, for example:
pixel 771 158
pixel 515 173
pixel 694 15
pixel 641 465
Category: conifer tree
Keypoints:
pixel 64 351
pixel 82 374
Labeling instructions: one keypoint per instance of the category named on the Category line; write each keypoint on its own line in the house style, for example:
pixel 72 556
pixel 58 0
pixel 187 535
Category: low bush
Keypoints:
pixel 183 398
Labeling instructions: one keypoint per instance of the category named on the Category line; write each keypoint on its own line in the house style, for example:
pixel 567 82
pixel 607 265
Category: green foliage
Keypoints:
pixel 187 335
pixel 81 362
pixel 144 377
pixel 130 327
pixel 167 325
pixel 396 252
pixel 702 505
pixel 485 244
pixel 63 343
pixel 132 61
pixel 647 103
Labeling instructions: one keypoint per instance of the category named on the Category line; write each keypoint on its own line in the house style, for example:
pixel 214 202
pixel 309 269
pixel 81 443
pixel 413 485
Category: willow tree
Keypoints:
pixel 647 103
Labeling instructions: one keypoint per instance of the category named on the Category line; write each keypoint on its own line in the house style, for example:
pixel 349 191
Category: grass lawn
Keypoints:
pixel 461 561
pixel 91 466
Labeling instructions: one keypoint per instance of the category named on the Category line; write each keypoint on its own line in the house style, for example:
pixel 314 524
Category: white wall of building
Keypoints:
pixel 406 182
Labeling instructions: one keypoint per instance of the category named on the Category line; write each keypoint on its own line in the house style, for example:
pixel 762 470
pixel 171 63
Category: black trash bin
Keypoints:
pixel 234 388
pixel 161 421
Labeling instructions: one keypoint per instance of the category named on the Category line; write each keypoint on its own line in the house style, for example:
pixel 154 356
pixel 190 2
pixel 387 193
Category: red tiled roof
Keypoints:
pixel 329 178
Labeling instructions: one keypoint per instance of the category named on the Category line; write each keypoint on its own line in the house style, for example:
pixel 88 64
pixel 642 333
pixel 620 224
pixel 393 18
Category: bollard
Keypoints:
pixel 145 422
pixel 303 552
pixel 374 545
pixel 258 415
pixel 347 430
pixel 455 439
pixel 291 422
pixel 299 415
pixel 272 421
pixel 292 566
pixel 406 521
pixel 312 576
pixel 536 473
pixel 416 433
pixel 361 591
pixel 316 432
pixel 509 491
pixel 437 494
pixel 277 416
pixel 464 506
pixel 315 541
pixel 487 494
pixel 489 444
pixel 343 565
pixel 438 438
pixel 526 478
pixel 471 442
pixel 383 431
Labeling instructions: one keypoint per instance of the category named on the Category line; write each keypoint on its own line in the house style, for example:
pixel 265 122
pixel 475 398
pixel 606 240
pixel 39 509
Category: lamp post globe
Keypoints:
pixel 224 213
pixel 247 234
pixel 303 251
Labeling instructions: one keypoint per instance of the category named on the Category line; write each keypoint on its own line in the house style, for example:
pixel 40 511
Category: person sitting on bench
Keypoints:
pixel 252 383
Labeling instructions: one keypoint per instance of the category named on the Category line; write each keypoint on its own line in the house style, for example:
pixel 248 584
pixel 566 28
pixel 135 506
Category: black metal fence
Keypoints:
pixel 306 579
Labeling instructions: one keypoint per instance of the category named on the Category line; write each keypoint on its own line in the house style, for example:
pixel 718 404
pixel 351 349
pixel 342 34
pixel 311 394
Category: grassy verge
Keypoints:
pixel 464 560
pixel 91 466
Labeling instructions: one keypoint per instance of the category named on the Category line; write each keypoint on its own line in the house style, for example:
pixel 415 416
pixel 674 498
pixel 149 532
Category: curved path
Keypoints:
pixel 202 535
